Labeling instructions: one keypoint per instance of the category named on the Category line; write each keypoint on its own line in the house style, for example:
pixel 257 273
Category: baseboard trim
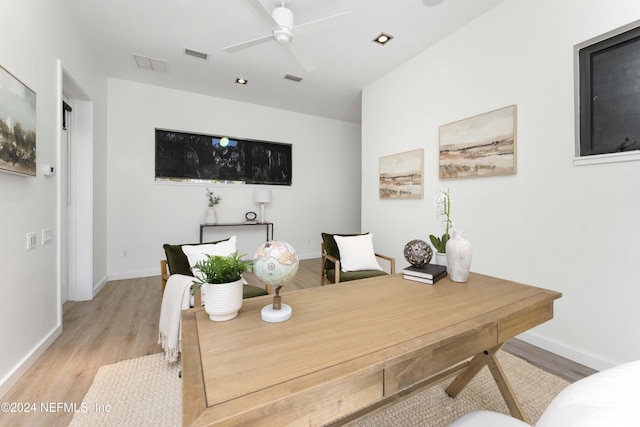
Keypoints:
pixel 135 274
pixel 12 377
pixel 98 287
pixel 309 256
pixel 590 360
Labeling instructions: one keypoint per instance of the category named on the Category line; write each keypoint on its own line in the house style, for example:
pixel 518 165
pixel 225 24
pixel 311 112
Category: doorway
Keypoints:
pixel 65 176
pixel 75 195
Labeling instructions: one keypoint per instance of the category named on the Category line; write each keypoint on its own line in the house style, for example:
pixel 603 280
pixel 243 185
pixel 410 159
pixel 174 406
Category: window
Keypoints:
pixel 609 95
pixel 191 157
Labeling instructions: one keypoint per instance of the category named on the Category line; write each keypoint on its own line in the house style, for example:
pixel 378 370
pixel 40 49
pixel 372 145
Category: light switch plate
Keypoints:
pixel 32 240
pixel 47 236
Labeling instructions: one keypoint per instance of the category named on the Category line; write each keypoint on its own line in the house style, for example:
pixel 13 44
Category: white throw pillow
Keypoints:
pixel 356 253
pixel 198 253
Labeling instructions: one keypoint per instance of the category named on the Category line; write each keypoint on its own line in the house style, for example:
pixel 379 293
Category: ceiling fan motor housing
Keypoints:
pixel 284 18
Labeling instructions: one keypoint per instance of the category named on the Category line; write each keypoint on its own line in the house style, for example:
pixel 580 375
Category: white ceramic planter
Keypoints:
pixel 222 301
pixel 210 217
pixel 441 259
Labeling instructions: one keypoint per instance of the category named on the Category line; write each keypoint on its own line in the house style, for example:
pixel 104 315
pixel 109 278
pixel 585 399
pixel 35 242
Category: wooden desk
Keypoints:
pixel 350 348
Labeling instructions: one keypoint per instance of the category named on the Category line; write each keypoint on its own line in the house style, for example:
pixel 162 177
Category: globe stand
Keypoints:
pixel 276 312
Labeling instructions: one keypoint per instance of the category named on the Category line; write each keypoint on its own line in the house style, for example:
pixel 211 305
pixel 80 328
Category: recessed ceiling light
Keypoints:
pixel 241 81
pixel 383 39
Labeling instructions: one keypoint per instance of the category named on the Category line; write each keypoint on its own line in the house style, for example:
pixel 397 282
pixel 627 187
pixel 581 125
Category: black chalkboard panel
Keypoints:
pixel 182 156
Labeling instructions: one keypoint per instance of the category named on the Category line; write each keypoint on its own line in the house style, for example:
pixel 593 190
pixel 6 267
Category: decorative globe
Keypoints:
pixel 418 253
pixel 275 263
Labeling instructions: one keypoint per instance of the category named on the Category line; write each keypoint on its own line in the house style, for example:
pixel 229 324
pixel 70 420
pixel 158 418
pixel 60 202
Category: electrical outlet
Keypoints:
pixel 32 240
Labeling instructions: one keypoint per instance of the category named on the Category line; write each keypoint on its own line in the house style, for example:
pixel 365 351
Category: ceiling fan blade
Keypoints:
pixel 244 45
pixel 263 12
pixel 320 24
pixel 301 56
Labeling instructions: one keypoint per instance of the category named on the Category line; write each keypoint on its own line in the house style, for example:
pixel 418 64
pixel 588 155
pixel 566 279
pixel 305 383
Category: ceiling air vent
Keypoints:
pixel 293 78
pixel 197 54
pixel 150 63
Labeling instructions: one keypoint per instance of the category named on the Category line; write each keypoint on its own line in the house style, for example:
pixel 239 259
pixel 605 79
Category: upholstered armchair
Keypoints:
pixel 177 262
pixel 348 257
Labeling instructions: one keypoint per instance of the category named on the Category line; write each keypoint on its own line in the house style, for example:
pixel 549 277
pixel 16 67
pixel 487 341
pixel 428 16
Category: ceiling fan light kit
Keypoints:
pixel 282 30
pixel 284 18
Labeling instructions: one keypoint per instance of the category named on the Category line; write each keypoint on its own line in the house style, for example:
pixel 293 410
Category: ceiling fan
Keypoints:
pixel 283 29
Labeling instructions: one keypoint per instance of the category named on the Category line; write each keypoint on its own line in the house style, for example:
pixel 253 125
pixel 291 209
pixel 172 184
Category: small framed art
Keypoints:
pixel 402 175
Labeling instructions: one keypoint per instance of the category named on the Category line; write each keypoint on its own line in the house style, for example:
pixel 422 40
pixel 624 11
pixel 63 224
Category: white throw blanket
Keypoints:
pixel 175 299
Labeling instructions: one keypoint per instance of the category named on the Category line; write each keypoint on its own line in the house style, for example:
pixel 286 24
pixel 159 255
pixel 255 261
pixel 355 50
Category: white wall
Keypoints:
pixel 142 214
pixel 33 37
pixel 568 228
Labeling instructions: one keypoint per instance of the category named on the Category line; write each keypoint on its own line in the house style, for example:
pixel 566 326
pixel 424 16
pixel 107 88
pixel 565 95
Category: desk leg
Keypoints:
pixel 488 358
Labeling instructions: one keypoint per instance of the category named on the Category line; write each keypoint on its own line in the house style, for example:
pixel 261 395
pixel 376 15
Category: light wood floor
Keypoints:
pixel 121 323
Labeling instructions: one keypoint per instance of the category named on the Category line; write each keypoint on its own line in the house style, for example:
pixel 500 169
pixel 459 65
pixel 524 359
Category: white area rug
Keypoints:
pixel 137 392
pixel 534 388
pixel 146 392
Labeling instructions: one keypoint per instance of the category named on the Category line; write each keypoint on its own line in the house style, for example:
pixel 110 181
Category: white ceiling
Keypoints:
pixel 346 58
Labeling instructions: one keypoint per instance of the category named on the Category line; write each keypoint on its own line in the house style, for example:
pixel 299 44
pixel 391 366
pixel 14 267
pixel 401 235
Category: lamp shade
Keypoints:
pixel 262 196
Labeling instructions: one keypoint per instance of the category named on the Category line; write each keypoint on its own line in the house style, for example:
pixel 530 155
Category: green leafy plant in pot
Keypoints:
pixel 220 278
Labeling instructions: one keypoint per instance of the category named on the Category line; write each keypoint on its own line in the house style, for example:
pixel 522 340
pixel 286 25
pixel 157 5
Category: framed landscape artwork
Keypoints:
pixel 481 145
pixel 17 126
pixel 401 175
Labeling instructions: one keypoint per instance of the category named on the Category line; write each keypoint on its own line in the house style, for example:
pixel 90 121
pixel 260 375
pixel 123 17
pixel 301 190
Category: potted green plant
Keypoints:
pixel 220 278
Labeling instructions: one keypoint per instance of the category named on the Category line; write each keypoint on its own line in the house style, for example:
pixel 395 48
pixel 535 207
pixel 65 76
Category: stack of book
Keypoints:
pixel 429 273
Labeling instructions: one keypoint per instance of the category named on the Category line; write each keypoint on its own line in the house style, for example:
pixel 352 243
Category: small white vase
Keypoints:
pixel 441 259
pixel 222 301
pixel 459 254
pixel 210 217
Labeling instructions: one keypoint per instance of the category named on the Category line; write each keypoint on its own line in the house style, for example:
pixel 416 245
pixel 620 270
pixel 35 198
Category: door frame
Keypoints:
pixel 80 230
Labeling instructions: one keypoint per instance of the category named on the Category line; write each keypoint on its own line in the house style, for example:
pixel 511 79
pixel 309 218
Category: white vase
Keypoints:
pixel 210 217
pixel 441 259
pixel 222 301
pixel 459 254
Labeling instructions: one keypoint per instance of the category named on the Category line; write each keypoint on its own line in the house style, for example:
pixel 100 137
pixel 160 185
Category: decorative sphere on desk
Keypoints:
pixel 418 253
pixel 275 263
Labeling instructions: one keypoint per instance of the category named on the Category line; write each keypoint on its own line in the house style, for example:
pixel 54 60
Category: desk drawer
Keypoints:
pixel 310 406
pixel 524 320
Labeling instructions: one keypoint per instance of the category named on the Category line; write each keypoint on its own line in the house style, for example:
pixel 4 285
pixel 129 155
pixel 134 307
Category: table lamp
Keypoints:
pixel 262 197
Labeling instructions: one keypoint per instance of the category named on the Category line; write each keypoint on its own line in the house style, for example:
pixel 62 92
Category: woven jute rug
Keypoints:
pixel 146 392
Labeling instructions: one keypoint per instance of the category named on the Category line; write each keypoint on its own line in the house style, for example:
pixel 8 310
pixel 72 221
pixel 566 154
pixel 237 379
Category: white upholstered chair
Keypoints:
pixel 604 399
